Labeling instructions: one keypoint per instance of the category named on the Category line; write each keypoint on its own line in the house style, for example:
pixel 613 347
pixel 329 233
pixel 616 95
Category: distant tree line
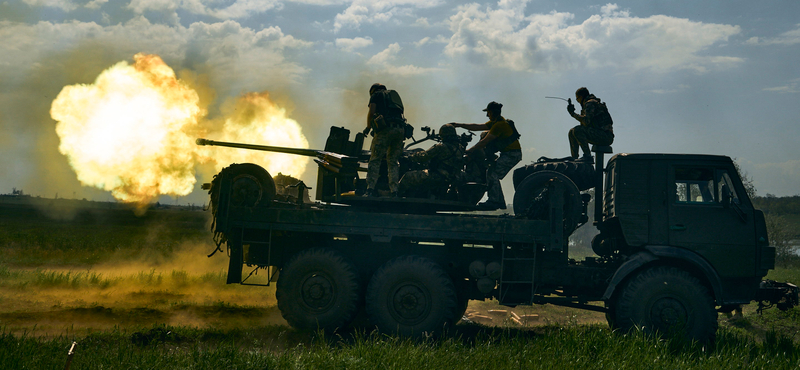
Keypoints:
pixel 778 205
pixel 783 226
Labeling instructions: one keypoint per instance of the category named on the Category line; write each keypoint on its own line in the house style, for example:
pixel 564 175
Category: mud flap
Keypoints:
pixel 235 264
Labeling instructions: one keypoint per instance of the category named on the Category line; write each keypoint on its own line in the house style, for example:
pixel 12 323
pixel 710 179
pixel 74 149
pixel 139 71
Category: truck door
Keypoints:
pixel 698 220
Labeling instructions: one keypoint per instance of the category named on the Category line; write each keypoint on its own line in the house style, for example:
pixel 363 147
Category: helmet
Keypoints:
pixel 448 132
pixel 375 87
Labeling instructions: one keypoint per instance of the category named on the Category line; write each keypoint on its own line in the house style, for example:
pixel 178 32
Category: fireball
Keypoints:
pixel 132 131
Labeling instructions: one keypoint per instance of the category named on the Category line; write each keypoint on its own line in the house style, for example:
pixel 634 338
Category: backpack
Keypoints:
pixel 599 116
pixel 498 144
pixel 394 107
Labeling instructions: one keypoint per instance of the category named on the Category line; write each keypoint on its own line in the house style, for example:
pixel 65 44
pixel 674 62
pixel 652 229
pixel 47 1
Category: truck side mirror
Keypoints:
pixel 726 196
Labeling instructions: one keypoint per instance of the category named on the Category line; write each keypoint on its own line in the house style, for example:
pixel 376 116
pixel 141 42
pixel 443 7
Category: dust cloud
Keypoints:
pixel 182 288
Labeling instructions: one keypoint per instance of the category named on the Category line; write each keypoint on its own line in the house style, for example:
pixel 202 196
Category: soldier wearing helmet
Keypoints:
pixel 385 120
pixel 445 162
pixel 502 136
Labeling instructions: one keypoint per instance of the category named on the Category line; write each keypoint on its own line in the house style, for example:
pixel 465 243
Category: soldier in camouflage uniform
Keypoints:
pixel 385 119
pixel 445 164
pixel 596 124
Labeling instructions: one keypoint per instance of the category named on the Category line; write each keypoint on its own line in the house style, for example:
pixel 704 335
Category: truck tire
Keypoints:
pixel 251 185
pixel 581 173
pixel 531 199
pixel 411 296
pixel 318 289
pixel 666 301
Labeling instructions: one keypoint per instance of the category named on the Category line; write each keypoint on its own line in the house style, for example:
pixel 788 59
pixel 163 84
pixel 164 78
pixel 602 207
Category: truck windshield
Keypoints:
pixel 725 179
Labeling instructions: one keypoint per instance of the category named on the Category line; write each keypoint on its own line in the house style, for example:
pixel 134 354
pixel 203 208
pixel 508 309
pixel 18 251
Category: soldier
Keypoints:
pixel 502 137
pixel 385 119
pixel 595 127
pixel 445 164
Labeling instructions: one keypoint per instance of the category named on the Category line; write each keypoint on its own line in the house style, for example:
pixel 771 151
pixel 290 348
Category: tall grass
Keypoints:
pixel 577 347
pixel 39 278
pixel 32 239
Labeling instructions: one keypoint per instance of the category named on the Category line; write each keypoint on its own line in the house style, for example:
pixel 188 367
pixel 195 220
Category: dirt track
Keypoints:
pixel 180 299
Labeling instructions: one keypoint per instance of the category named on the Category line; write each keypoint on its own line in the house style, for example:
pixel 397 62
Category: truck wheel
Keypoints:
pixel 531 198
pixel 667 301
pixel 251 185
pixel 318 289
pixel 411 296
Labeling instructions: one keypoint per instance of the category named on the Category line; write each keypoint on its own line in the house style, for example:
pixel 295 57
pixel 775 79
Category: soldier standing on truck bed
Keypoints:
pixel 445 164
pixel 385 119
pixel 503 137
pixel 595 127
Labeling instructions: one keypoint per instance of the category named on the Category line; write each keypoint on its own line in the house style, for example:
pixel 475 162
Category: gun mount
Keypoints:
pixel 338 180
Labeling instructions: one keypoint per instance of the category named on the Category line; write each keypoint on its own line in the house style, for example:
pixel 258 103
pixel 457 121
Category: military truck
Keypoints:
pixel 679 241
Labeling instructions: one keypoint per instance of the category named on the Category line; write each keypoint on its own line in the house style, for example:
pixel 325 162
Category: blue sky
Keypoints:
pixel 716 77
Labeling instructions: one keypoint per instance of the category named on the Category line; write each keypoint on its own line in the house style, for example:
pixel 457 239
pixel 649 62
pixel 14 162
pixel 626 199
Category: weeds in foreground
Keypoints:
pixel 469 347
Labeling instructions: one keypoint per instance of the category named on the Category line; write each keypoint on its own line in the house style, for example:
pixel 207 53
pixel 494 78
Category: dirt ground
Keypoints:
pixel 122 298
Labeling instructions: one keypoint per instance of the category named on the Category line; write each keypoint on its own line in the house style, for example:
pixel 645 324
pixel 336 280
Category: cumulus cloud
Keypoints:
pixel 65 5
pixel 369 11
pixel 423 41
pixel 238 9
pixel 95 4
pixel 386 60
pixel 504 37
pixel 226 47
pixel 354 43
pixel 787 38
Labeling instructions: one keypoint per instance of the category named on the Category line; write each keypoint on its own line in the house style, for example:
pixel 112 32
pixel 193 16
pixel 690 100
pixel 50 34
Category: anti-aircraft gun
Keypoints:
pixel 338 178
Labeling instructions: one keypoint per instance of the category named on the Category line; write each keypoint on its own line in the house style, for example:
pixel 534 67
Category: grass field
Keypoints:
pixel 140 293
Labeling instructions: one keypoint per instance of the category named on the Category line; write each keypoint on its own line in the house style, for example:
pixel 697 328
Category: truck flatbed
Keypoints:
pixel 348 220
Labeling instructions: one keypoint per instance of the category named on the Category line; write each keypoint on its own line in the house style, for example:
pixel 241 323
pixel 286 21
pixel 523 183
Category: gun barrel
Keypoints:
pixel 267 148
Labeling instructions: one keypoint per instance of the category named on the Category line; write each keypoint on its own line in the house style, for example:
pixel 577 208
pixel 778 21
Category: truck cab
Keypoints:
pixel 693 206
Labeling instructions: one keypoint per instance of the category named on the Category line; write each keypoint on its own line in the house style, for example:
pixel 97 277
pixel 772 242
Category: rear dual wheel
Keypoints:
pixel 318 289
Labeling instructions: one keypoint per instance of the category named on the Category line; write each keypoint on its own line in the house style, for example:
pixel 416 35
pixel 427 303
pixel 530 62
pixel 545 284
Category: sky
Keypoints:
pixel 707 77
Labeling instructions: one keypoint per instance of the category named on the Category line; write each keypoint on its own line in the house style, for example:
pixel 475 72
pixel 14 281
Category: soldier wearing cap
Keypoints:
pixel 385 119
pixel 501 137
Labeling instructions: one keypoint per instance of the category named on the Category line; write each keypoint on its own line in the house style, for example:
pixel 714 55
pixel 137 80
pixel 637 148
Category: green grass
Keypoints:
pixel 471 347
pixel 782 274
pixel 30 238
